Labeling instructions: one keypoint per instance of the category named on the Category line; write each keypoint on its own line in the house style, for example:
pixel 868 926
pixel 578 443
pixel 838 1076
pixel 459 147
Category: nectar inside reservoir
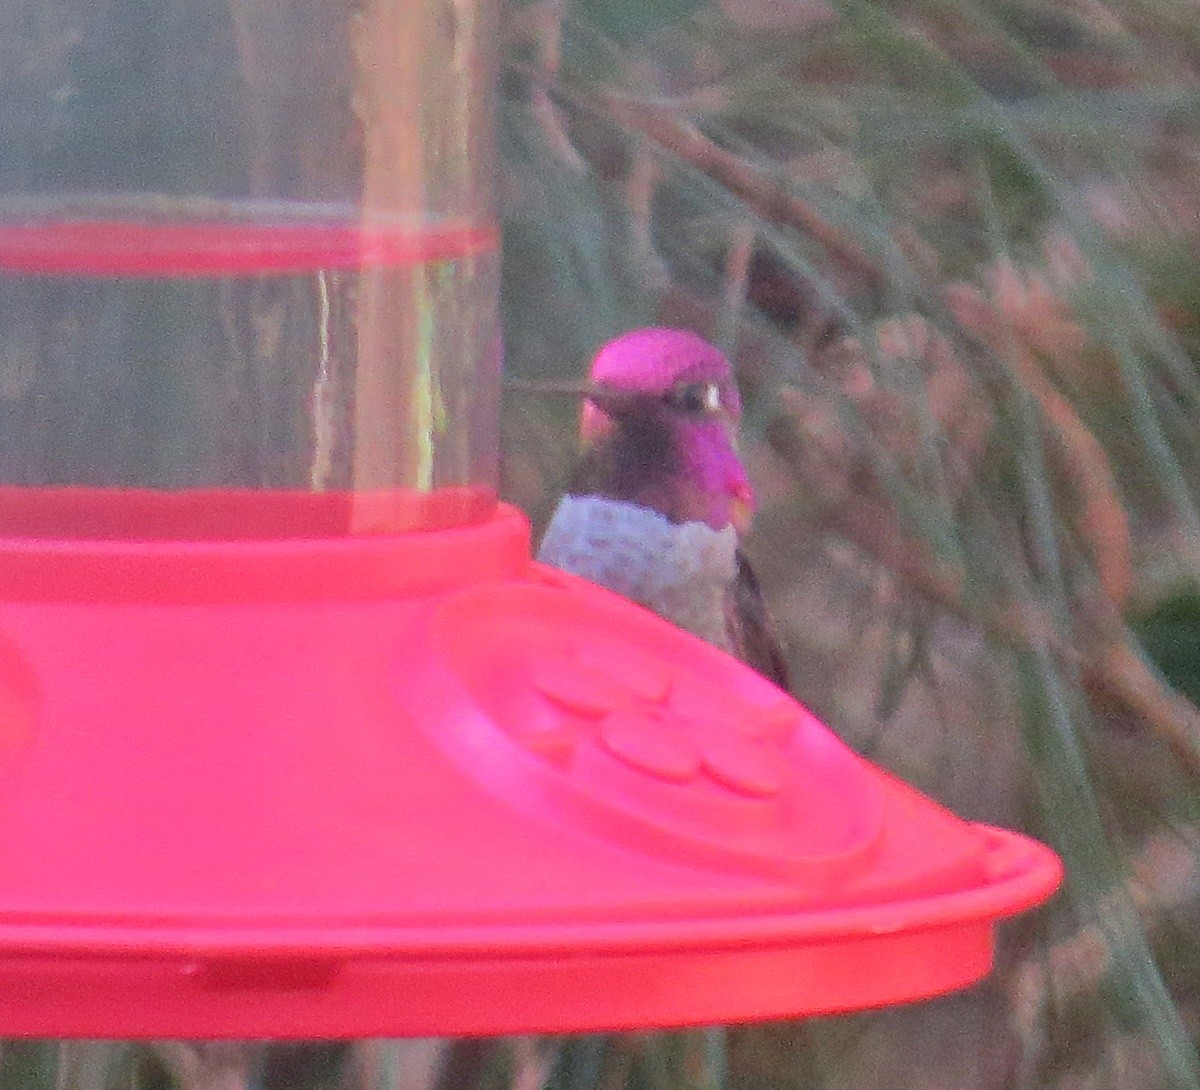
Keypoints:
pixel 246 378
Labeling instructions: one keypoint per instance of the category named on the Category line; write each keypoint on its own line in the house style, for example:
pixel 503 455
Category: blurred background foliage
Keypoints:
pixel 954 249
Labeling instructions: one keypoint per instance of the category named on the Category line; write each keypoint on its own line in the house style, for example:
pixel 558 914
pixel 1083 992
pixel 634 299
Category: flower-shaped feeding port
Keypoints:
pixel 656 722
pixel 601 714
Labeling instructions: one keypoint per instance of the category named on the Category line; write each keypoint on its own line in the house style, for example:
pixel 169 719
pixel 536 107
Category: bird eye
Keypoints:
pixel 696 397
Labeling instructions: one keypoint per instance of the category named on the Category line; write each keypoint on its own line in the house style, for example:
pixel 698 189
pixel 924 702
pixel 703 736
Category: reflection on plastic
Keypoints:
pixel 20 699
pixel 137 248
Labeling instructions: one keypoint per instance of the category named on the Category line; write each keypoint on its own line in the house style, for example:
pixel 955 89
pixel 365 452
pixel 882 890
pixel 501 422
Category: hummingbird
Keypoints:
pixel 660 500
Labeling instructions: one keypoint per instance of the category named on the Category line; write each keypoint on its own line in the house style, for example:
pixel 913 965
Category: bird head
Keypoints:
pixel 671 397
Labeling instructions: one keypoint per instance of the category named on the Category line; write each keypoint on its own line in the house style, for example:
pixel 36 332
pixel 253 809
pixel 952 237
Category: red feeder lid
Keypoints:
pixel 414 783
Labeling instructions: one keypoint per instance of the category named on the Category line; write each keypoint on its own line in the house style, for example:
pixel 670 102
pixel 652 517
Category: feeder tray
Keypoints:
pixel 298 785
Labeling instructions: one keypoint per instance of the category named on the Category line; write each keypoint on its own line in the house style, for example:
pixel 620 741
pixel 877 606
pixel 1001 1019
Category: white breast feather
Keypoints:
pixel 681 572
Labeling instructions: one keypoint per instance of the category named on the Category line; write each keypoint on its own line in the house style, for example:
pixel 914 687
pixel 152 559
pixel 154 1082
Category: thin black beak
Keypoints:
pixel 547 389
pixel 611 400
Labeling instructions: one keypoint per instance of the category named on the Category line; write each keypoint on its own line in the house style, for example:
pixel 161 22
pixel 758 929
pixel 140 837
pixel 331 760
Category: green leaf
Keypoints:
pixel 1170 635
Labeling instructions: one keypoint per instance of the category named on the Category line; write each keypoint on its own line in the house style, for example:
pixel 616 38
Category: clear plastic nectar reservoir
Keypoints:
pixel 250 247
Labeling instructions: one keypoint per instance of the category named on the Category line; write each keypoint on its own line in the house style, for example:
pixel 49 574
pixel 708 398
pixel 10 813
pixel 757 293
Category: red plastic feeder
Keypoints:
pixel 315 786
pixel 297 740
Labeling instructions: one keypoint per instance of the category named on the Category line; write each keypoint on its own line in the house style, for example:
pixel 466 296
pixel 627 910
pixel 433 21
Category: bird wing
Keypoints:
pixel 750 629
